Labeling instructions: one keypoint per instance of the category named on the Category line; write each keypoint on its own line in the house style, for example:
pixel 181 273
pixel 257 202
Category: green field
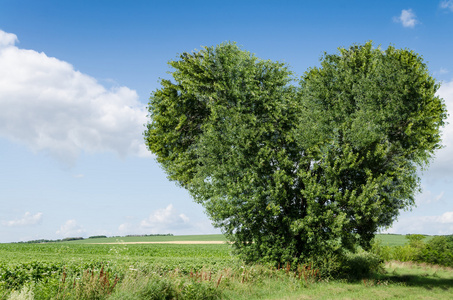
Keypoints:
pixel 396 239
pixel 85 269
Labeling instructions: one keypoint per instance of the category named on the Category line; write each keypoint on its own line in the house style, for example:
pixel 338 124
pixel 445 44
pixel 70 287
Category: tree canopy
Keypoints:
pixel 295 171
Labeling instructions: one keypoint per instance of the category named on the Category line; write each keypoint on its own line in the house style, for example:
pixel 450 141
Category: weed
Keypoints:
pixel 89 286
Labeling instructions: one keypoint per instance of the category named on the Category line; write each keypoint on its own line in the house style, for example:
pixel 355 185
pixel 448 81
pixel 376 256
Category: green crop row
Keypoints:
pixel 12 253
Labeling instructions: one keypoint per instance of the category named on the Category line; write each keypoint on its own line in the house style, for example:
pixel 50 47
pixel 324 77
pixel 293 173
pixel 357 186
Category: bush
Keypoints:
pixel 199 290
pixel 347 265
pixel 360 265
pixel 404 253
pixel 438 250
pixel 415 240
pixel 407 252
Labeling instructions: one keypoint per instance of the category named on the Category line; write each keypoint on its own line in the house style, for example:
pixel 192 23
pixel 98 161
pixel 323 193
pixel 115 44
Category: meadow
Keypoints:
pixel 122 269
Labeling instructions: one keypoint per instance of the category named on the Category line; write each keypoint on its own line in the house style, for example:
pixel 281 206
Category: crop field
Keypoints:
pixel 122 268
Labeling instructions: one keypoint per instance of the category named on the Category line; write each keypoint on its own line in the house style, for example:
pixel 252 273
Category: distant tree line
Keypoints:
pixel 40 241
pixel 52 241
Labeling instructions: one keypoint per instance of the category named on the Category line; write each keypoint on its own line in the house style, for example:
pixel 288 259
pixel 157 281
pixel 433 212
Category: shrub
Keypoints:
pixel 415 239
pixel 404 253
pixel 360 265
pixel 438 250
pixel 384 252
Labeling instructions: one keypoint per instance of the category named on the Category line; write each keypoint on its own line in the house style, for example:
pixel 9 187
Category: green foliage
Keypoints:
pixel 415 240
pixel 372 118
pixel 14 277
pixel 438 250
pixel 361 265
pixel 403 253
pixel 154 287
pixel 297 174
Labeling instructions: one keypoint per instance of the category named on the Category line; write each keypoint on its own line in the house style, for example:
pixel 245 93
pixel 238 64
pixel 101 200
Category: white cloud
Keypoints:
pixel 48 106
pixel 166 220
pixel 448 4
pixel 446 217
pixel 432 225
pixel 27 219
pixel 7 39
pixel 167 217
pixel 407 18
pixel 70 229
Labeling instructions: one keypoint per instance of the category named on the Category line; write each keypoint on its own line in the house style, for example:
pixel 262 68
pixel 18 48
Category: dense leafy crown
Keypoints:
pixel 289 172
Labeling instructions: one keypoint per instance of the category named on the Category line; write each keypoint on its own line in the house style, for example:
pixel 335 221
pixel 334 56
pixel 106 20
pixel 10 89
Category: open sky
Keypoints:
pixel 75 78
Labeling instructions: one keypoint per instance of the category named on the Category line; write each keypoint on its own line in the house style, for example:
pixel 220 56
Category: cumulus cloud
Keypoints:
pixel 70 229
pixel 48 106
pixel 166 220
pixel 7 39
pixel 168 217
pixel 407 18
pixel 446 218
pixel 448 4
pixel 27 219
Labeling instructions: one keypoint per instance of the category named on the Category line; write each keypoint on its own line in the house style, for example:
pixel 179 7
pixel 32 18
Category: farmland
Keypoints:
pixel 110 268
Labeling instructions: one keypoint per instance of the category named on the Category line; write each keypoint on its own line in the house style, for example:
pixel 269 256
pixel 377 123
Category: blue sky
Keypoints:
pixel 75 78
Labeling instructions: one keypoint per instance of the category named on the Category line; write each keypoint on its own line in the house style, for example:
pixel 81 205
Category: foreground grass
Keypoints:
pixel 400 280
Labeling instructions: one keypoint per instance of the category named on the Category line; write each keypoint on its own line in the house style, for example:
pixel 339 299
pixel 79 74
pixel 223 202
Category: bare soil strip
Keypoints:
pixel 171 242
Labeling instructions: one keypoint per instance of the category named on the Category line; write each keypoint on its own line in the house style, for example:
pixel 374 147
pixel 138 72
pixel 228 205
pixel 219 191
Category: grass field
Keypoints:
pixel 77 270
